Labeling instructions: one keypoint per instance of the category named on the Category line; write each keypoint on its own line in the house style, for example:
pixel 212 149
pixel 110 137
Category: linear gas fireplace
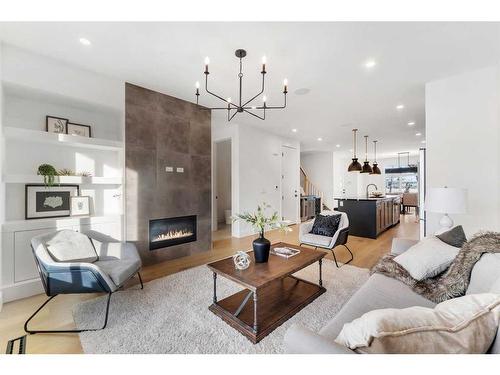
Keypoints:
pixel 171 231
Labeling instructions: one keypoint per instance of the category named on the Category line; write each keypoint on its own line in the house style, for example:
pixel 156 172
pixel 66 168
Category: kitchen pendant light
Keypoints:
pixel 375 168
pixel 354 166
pixel 366 164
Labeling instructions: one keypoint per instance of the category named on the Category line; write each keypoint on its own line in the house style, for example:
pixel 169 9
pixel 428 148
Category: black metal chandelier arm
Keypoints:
pixel 230 118
pixel 255 115
pixel 260 93
pixel 276 107
pixel 217 96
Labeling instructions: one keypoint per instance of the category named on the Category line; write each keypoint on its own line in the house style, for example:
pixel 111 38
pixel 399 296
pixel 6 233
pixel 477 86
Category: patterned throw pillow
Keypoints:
pixel 326 225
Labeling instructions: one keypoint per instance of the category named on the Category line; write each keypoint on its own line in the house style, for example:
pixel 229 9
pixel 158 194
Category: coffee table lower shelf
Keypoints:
pixel 276 303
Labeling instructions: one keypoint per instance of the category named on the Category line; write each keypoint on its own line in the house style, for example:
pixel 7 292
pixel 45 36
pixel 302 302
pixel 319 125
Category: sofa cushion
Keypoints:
pixel 316 240
pixel 453 237
pixel 71 246
pixel 427 258
pixel 460 325
pixel 485 274
pixel 326 225
pixel 379 292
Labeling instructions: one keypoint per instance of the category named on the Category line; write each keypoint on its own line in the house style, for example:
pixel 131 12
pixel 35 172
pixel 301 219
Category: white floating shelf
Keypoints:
pixel 35 179
pixel 15 225
pixel 27 135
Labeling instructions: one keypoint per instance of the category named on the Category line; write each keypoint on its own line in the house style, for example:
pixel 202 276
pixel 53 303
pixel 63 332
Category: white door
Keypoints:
pixel 290 181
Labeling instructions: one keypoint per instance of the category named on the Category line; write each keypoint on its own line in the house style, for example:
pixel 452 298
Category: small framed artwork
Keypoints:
pixel 48 202
pixel 79 129
pixel 80 206
pixel 56 124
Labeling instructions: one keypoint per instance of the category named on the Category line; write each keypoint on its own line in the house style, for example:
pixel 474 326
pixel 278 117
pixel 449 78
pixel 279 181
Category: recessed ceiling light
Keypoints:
pixel 85 41
pixel 400 106
pixel 294 130
pixel 302 91
pixel 411 123
pixel 370 63
pixel 418 134
pixel 423 141
pixel 337 146
pixel 320 139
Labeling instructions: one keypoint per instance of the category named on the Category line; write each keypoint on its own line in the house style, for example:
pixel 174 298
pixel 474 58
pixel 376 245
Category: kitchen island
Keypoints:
pixel 369 217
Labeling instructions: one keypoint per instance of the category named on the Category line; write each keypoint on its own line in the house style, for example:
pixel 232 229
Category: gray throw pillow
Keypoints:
pixel 326 225
pixel 454 237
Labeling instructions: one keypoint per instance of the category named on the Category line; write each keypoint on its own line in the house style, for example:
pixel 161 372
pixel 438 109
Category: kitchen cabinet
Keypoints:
pixel 369 217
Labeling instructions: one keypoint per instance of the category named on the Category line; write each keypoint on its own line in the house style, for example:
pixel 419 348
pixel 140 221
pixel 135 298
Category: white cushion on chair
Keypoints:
pixel 71 246
pixel 316 240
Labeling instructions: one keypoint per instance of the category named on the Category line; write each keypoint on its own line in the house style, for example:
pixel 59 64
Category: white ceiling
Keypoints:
pixel 327 58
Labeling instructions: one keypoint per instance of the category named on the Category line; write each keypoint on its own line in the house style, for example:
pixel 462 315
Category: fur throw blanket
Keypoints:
pixel 455 280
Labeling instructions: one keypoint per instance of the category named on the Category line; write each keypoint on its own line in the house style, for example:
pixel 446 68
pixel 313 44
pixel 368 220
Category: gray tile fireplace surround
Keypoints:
pixel 162 131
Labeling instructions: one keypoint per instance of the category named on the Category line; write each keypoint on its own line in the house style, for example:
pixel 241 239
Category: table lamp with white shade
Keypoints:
pixel 446 201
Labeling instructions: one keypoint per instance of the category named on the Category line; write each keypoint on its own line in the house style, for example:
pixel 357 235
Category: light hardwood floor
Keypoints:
pixel 57 314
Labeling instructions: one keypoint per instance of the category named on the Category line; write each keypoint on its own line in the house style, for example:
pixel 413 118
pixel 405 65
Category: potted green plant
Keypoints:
pixel 260 222
pixel 49 174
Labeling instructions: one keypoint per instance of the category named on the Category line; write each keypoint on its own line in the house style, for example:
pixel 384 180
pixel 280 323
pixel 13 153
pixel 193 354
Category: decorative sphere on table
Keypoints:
pixel 241 260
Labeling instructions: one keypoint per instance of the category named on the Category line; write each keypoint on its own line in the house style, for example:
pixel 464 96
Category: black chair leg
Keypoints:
pixel 352 255
pixel 32 332
pixel 140 279
pixel 335 259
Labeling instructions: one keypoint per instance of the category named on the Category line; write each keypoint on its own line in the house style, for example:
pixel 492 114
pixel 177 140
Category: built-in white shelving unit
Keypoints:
pixel 33 87
pixel 34 136
pixel 35 179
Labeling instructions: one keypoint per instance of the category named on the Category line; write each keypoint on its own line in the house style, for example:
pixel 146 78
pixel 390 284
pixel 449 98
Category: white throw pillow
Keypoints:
pixel 427 258
pixel 461 325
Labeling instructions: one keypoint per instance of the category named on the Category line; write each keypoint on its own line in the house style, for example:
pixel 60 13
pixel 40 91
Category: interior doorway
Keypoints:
pixel 222 185
pixel 290 184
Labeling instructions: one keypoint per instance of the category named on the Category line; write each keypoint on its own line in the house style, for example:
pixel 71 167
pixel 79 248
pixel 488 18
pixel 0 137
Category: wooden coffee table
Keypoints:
pixel 271 295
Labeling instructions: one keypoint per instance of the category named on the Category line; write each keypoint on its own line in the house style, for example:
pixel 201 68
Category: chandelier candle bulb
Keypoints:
pixel 207 61
pixel 264 61
pixel 285 84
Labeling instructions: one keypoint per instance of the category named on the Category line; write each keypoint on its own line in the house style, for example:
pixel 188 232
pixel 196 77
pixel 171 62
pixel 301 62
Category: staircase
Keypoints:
pixel 310 188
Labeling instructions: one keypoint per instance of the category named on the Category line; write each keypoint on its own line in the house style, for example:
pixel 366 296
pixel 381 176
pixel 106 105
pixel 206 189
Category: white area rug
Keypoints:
pixel 171 314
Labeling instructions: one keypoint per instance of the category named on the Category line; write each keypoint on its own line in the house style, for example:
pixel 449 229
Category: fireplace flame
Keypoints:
pixel 173 234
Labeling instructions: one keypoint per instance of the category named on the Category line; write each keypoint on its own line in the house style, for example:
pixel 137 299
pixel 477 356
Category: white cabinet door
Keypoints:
pixel 24 262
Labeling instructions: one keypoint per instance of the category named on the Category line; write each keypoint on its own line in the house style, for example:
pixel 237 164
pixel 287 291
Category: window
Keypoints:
pixel 401 183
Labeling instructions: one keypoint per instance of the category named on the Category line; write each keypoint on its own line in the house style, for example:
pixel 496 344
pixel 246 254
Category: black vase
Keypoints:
pixel 261 248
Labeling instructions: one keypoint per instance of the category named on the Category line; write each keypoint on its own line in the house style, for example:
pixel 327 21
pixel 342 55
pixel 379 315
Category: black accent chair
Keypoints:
pixel 70 262
pixel 327 243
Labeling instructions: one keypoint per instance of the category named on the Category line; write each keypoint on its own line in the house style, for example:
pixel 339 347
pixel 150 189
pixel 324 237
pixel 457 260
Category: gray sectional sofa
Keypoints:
pixel 381 292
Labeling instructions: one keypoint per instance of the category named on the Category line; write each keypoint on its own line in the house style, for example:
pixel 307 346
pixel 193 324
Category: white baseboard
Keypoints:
pixel 20 290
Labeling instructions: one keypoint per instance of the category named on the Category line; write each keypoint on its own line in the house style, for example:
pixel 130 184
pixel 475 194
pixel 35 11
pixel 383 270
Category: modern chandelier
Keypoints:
pixel 240 105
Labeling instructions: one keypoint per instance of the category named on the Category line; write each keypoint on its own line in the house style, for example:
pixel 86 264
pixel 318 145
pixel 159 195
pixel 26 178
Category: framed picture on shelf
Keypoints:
pixel 49 202
pixel 80 206
pixel 79 129
pixel 56 124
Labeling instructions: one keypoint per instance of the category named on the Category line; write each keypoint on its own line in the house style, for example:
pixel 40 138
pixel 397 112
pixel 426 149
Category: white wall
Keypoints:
pixel 319 169
pixel 256 169
pixel 462 133
pixel 2 185
pixel 223 178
